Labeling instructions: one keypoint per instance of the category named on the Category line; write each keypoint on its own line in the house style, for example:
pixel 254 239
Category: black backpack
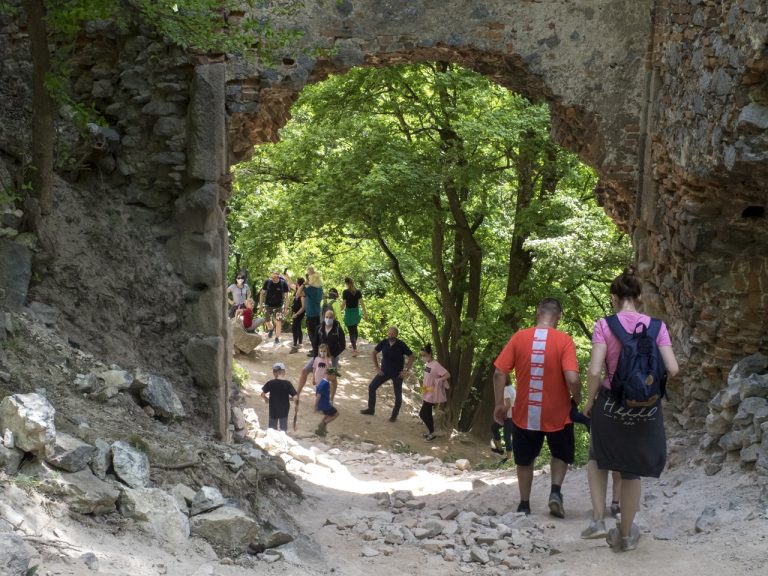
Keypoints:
pixel 640 379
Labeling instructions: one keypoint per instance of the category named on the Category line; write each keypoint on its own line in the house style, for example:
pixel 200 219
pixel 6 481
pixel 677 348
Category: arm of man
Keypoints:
pixel 499 381
pixel 408 364
pixel 230 296
pixel 574 384
pixel 375 356
pixel 262 294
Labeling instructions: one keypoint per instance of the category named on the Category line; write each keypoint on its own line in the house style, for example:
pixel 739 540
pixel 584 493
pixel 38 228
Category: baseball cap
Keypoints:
pixel 278 366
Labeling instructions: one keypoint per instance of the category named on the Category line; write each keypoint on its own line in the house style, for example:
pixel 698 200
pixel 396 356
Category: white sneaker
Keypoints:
pixel 596 529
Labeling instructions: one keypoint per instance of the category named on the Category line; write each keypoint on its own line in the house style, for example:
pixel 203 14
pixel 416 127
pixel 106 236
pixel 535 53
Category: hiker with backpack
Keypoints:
pixel 627 425
pixel 274 300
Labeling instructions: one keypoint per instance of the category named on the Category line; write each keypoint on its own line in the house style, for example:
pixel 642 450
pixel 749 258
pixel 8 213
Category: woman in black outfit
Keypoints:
pixel 352 303
pixel 297 307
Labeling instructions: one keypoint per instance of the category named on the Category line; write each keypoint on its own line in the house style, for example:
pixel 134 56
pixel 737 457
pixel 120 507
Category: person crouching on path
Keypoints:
pixel 435 383
pixel 325 393
pixel 629 441
pixel 393 350
pixel 278 393
pixel 547 376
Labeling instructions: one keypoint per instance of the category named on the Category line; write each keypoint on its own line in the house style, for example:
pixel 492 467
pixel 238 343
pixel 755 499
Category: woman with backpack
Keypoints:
pixel 625 404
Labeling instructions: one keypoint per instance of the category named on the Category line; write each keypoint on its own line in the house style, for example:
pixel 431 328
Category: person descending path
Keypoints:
pixel 435 383
pixel 631 441
pixel 393 350
pixel 297 310
pixel 313 300
pixel 352 303
pixel 547 376
pixel 274 300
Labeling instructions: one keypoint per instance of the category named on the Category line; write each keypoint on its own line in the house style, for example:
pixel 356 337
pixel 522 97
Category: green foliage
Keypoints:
pixel 400 447
pixel 361 185
pixel 32 571
pixel 240 375
pixel 27 483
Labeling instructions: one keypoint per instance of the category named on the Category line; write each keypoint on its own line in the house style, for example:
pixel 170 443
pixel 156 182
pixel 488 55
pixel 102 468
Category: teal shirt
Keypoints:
pixel 313 300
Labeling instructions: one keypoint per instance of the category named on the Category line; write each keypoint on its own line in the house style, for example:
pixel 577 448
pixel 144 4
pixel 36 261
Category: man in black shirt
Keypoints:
pixel 393 351
pixel 274 299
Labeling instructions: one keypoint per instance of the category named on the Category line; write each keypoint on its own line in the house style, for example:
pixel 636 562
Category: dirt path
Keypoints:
pixel 679 536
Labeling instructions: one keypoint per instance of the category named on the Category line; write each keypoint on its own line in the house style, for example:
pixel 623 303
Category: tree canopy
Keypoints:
pixel 445 197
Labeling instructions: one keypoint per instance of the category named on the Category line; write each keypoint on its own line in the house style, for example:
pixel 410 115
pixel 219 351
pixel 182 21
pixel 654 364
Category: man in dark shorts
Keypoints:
pixel 278 393
pixel 274 299
pixel 547 376
pixel 393 351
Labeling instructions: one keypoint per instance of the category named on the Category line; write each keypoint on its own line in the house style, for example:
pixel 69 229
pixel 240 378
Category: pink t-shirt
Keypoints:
pixel 320 368
pixel 434 391
pixel 629 320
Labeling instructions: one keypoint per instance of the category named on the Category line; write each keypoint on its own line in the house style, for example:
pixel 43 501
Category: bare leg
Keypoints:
pixel 598 486
pixel 630 504
pixel 525 481
pixel 558 469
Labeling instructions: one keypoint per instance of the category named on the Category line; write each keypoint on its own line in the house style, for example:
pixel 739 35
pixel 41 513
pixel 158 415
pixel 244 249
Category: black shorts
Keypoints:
pixel 330 412
pixel 526 444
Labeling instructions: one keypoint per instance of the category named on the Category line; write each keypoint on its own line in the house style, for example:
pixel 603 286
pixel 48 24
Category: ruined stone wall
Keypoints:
pixel 665 99
pixel 701 230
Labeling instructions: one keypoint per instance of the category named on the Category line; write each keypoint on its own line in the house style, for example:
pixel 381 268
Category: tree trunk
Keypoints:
pixel 39 203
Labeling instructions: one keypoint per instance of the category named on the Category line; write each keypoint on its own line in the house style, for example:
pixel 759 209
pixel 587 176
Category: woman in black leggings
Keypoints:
pixel 351 304
pixel 297 307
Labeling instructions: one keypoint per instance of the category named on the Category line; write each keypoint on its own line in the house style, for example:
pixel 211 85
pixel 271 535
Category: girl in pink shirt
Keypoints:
pixel 435 384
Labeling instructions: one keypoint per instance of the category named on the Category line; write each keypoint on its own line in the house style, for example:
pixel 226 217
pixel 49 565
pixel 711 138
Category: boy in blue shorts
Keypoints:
pixel 325 392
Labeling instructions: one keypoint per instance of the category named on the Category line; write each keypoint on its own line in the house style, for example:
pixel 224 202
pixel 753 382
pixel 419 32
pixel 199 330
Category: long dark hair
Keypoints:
pixel 626 285
pixel 428 349
pixel 351 283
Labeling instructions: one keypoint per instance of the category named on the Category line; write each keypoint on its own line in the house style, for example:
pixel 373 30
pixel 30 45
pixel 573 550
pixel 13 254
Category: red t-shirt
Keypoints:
pixel 540 357
pixel 247 318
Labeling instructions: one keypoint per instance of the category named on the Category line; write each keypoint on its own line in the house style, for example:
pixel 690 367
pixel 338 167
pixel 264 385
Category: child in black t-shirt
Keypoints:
pixel 278 393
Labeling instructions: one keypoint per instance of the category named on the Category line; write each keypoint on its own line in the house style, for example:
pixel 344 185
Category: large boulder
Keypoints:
pixel 131 464
pixel 157 512
pixel 102 458
pixel 753 364
pixel 14 558
pixel 227 527
pixel 112 382
pixel 243 341
pixel 70 453
pixel 158 393
pixel 10 460
pixel 86 494
pixel 207 498
pixel 30 418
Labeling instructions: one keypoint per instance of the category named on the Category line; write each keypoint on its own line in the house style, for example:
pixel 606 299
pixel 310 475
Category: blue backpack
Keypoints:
pixel 640 379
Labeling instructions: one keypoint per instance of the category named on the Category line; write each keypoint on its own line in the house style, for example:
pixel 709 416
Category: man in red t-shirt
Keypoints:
pixel 547 376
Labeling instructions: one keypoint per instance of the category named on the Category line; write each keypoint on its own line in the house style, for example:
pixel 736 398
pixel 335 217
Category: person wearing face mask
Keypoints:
pixel 435 383
pixel 331 334
pixel 393 353
pixel 237 294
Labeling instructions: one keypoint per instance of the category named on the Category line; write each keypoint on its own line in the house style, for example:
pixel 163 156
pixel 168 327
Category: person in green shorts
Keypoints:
pixel 351 305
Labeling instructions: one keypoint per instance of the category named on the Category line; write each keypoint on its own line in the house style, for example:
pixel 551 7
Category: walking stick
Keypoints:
pixel 295 415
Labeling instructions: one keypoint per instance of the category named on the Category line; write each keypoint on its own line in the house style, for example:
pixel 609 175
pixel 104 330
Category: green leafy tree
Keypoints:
pixel 455 183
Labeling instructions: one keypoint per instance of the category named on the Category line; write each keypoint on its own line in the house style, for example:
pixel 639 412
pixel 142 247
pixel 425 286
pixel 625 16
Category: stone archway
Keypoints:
pixel 666 99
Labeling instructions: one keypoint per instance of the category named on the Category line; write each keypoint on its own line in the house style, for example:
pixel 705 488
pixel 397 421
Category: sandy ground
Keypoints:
pixel 733 541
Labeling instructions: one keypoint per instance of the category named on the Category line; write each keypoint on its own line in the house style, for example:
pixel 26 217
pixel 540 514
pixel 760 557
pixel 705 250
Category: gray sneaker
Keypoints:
pixel 596 529
pixel 613 538
pixel 556 505
pixel 630 542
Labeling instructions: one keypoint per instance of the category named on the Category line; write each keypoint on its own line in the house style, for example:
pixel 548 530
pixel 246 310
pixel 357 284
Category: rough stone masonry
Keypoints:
pixel 666 99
